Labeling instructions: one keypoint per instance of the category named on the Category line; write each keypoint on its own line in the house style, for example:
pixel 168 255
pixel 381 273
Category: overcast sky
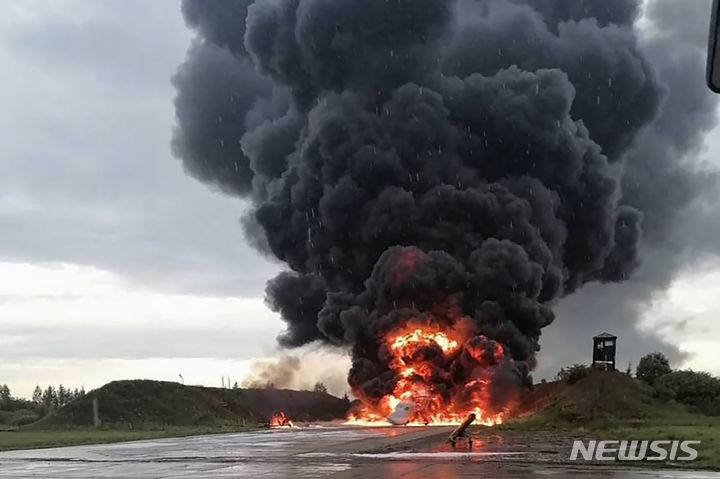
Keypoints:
pixel 113 263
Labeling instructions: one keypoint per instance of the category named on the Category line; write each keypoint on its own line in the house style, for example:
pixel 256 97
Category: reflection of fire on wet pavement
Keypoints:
pixel 488 445
pixel 325 452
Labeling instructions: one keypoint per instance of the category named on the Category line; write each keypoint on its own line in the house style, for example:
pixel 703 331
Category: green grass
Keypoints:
pixel 613 406
pixel 708 432
pixel 23 439
pixel 669 423
pixel 136 410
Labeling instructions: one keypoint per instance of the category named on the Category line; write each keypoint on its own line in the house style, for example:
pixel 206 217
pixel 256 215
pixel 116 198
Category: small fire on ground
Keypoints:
pixel 281 420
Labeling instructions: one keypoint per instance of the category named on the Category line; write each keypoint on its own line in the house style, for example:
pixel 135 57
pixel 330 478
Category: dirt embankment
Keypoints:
pixel 611 397
pixel 145 403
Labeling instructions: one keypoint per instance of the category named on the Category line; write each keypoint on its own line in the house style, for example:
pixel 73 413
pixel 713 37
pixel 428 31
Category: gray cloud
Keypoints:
pixel 87 176
pixel 118 342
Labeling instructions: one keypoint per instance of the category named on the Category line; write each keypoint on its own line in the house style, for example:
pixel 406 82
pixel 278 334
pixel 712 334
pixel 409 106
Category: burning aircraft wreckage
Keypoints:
pixel 433 173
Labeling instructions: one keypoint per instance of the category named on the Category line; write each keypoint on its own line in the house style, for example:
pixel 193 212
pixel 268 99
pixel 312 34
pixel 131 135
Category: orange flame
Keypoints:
pixel 411 352
pixel 280 420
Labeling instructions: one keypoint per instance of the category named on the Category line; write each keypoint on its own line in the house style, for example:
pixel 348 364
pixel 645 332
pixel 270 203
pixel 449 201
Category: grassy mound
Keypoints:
pixel 601 398
pixel 142 404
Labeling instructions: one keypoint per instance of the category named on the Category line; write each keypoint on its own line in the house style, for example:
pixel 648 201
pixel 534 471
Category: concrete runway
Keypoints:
pixel 339 453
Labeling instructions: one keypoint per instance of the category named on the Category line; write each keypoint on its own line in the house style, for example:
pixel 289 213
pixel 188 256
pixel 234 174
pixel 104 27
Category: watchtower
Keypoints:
pixel 604 348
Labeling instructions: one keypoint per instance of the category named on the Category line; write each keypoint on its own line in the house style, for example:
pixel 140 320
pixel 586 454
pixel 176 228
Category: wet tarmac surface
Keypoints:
pixel 340 453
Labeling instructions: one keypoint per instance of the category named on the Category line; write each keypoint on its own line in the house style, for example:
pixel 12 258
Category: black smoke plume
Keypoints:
pixel 665 176
pixel 429 159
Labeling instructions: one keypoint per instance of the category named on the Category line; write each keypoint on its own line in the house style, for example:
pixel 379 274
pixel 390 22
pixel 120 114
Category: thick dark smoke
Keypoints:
pixel 469 161
pixel 664 179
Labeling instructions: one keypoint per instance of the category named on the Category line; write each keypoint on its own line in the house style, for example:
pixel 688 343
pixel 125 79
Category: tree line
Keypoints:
pixel 50 398
pixel 56 397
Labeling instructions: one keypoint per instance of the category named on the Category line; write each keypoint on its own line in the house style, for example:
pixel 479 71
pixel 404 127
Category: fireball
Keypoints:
pixel 442 375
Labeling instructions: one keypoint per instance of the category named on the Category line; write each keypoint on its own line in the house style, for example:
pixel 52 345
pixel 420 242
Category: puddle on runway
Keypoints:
pixel 413 455
pixel 438 455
